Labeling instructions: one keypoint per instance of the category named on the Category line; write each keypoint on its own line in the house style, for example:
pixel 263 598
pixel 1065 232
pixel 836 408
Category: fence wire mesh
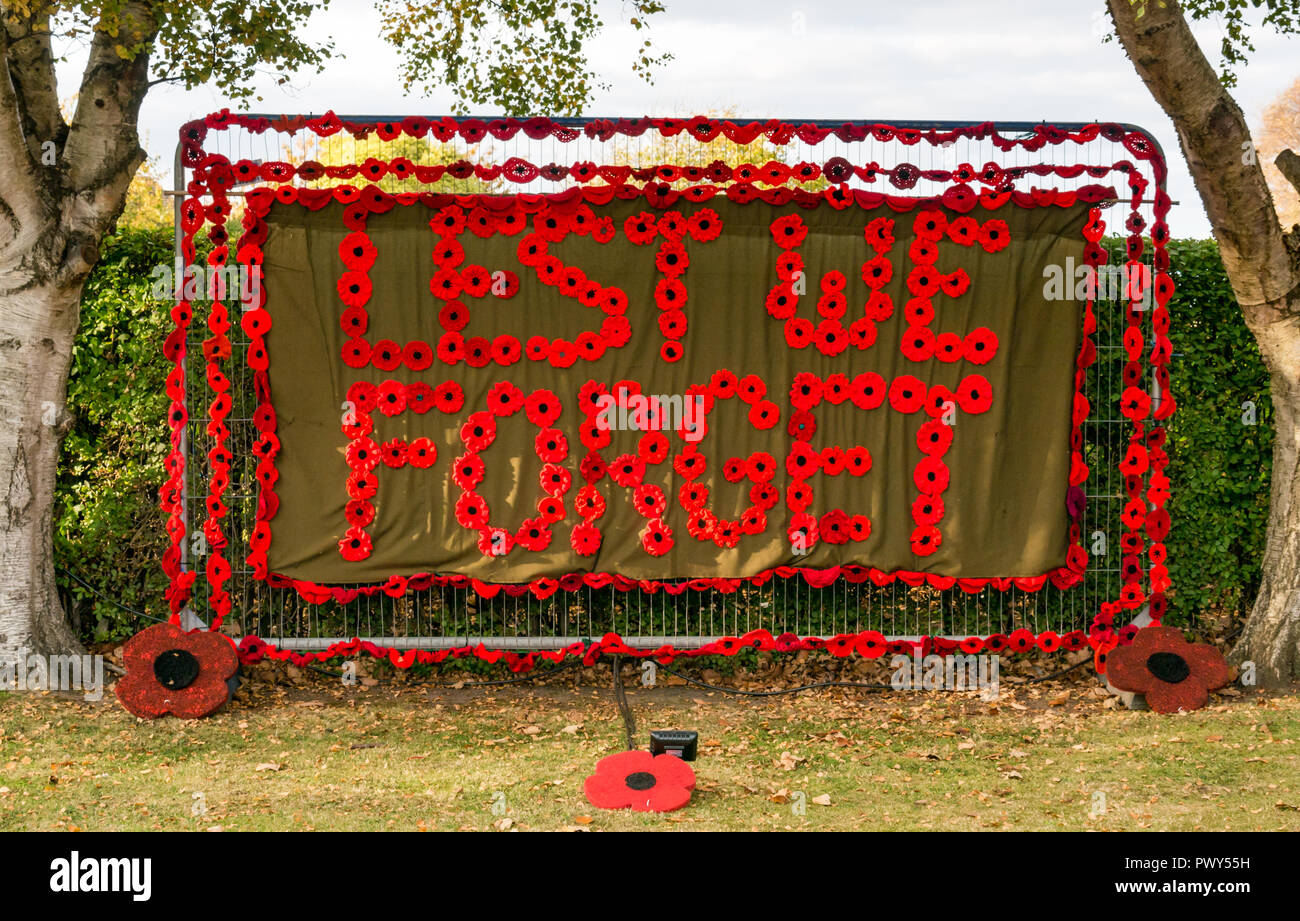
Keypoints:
pixel 441 617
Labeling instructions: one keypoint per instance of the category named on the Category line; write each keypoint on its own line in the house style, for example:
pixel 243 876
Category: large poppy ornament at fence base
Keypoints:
pixel 1171 673
pixel 170 671
pixel 640 781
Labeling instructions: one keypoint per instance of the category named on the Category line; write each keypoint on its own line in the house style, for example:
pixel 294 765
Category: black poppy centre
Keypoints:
pixel 176 669
pixel 1169 667
pixel 640 780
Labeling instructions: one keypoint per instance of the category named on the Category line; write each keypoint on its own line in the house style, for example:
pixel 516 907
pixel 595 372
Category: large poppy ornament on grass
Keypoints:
pixel 641 781
pixel 171 671
pixel 1170 672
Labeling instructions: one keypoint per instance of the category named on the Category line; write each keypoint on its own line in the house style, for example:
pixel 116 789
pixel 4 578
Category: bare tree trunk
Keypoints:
pixel 37 326
pixel 62 186
pixel 1271 638
pixel 1264 268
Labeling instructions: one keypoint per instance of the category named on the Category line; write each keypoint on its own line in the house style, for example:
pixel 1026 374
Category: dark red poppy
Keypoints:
pixel 592 467
pixel 802 425
pixel 1174 675
pixel 171 671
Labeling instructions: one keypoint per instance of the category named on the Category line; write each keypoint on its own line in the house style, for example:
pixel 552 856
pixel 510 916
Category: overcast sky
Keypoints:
pixel 975 61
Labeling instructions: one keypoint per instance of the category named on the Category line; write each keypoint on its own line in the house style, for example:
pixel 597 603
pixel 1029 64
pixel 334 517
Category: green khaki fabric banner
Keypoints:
pixel 1004 508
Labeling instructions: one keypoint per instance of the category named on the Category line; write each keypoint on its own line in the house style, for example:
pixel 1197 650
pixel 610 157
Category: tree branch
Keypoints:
pixel 103 148
pixel 1288 164
pixel 31 68
pixel 20 201
pixel 1215 139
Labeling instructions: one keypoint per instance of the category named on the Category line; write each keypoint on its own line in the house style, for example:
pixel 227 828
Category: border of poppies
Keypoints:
pixel 868 644
pixel 1147 519
pixel 836 170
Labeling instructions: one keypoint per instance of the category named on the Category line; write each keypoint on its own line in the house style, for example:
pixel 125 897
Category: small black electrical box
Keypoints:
pixel 681 743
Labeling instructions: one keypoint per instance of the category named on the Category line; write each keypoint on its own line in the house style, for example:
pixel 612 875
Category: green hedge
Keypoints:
pixel 109 530
pixel 1219 467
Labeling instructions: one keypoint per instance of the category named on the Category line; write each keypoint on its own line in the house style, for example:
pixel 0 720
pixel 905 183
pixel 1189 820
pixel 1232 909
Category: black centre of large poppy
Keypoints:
pixel 641 780
pixel 1169 667
pixel 176 669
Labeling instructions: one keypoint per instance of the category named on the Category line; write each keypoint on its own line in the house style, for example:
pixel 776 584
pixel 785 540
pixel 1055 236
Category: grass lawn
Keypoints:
pixel 315 755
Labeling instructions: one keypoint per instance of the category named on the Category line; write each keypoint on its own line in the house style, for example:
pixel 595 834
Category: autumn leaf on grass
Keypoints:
pixel 789 760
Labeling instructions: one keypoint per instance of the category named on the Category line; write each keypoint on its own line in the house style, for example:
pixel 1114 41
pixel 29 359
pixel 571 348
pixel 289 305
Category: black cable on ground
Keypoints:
pixel 102 597
pixel 1062 672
